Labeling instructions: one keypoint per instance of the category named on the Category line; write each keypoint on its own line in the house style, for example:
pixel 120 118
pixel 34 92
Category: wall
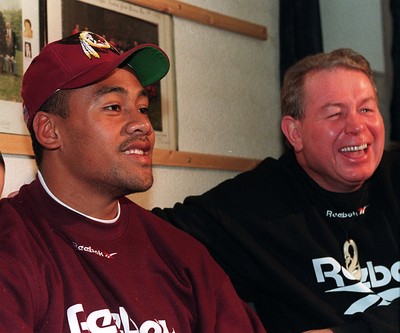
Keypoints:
pixel 356 24
pixel 227 100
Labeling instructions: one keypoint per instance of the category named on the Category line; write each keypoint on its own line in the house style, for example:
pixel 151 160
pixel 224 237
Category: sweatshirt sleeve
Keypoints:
pixel 215 227
pixel 16 302
pixel 229 308
pixel 225 218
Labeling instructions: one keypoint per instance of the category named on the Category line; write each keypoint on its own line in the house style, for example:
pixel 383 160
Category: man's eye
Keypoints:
pixel 114 107
pixel 144 110
pixel 333 115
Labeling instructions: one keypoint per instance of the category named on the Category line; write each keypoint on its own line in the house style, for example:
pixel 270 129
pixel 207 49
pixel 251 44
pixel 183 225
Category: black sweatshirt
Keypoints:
pixel 280 238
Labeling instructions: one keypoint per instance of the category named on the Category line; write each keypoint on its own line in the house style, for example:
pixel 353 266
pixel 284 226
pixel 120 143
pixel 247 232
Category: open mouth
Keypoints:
pixel 134 152
pixel 350 149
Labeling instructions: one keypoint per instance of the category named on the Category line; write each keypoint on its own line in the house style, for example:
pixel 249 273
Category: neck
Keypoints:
pixel 77 198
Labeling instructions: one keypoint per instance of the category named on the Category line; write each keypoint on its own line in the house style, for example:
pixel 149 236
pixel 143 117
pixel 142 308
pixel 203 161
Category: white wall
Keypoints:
pixel 227 100
pixel 356 24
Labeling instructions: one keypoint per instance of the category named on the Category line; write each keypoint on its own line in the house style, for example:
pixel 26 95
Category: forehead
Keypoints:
pixel 337 84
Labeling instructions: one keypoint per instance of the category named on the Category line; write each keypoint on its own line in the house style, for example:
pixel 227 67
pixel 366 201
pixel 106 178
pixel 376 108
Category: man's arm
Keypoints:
pixel 233 315
pixel 200 217
pixel 16 303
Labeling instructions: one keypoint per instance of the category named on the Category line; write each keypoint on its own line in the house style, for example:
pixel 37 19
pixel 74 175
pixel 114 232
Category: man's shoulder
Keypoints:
pixel 10 216
pixel 269 190
pixel 12 223
pixel 273 168
pixel 390 164
pixel 20 202
pixel 19 243
pixel 269 179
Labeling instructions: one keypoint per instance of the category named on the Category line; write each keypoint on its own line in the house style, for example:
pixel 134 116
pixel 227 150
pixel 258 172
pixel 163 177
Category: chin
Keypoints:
pixel 358 180
pixel 144 185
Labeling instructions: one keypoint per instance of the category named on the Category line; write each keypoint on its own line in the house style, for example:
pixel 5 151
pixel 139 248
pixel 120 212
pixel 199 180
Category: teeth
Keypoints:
pixel 354 148
pixel 134 151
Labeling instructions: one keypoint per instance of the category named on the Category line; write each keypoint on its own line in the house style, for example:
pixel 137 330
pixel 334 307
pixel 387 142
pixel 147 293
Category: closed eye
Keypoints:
pixel 333 115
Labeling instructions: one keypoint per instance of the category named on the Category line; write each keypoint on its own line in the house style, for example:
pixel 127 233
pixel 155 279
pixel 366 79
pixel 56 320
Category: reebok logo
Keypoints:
pixel 89 249
pixel 346 215
pixel 103 320
pixel 371 277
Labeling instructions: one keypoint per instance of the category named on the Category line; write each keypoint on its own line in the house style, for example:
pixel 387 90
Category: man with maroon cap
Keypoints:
pixel 75 254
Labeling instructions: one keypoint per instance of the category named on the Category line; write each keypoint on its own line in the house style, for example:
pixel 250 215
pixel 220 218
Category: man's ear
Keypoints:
pixel 45 131
pixel 291 128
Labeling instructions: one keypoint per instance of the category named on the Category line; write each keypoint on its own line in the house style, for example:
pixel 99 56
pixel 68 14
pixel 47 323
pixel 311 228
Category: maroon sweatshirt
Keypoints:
pixel 62 272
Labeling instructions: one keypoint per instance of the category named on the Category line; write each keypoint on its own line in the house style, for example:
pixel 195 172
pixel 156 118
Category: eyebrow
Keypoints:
pixel 119 90
pixel 340 104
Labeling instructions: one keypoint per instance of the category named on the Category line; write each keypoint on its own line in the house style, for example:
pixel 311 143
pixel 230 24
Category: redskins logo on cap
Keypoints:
pixel 90 40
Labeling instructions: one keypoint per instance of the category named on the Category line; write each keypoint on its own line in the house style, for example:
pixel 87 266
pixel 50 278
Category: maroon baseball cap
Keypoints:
pixel 83 59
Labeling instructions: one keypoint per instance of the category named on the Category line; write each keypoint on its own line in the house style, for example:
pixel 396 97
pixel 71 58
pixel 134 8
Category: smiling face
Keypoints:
pixel 340 140
pixel 107 140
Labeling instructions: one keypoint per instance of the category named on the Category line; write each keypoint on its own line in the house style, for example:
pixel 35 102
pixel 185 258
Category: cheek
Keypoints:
pixel 84 142
pixel 319 140
pixel 378 129
pixel 323 134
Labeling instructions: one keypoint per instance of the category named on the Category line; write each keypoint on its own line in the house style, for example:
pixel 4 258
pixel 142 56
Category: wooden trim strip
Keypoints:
pixel 202 161
pixel 16 144
pixel 21 145
pixel 204 16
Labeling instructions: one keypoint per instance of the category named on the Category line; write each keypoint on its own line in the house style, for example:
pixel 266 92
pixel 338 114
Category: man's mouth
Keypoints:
pixel 349 149
pixel 134 152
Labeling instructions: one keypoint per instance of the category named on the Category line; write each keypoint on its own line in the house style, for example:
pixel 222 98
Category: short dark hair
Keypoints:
pixel 57 104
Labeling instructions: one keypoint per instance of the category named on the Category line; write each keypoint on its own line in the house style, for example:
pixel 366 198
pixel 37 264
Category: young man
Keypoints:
pixel 75 255
pixel 313 238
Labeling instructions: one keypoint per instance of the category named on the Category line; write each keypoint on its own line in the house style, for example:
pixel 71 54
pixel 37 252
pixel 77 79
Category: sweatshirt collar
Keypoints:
pixel 43 183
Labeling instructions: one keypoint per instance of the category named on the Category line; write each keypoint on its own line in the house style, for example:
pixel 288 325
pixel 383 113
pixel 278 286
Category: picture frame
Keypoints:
pixel 125 25
pixel 16 53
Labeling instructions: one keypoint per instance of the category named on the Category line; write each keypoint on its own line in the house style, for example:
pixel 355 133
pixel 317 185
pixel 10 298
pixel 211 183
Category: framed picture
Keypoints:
pixel 21 37
pixel 124 25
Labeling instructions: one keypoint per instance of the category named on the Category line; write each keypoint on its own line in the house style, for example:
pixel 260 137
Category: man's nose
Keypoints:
pixel 139 124
pixel 354 122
